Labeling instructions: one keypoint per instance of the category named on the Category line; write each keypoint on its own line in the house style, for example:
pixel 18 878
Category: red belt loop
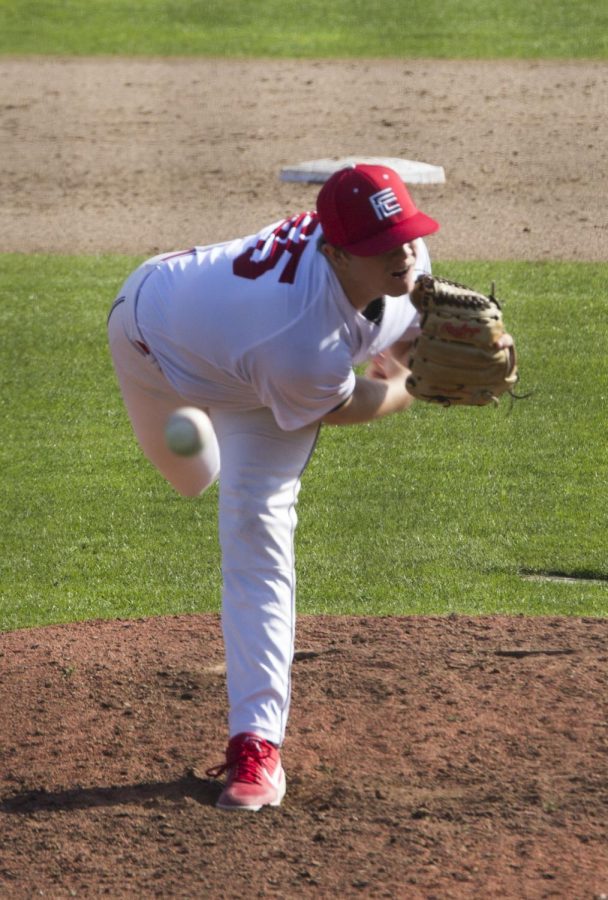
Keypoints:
pixel 143 347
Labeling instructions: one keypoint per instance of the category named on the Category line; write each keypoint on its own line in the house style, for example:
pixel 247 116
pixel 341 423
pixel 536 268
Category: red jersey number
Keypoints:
pixel 290 237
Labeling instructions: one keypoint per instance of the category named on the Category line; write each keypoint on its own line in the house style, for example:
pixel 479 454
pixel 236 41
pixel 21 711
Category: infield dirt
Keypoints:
pixel 426 757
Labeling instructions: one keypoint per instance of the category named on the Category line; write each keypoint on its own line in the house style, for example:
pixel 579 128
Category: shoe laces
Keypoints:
pixel 244 760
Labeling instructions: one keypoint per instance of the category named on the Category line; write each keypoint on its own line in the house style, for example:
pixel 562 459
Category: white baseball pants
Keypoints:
pixel 261 466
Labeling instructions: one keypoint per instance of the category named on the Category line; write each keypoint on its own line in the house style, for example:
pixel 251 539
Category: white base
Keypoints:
pixel 319 170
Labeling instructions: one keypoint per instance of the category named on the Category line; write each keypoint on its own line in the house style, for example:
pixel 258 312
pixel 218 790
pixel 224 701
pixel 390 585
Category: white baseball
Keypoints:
pixel 185 431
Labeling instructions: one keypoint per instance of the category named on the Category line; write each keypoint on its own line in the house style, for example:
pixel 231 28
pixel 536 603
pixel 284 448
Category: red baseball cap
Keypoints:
pixel 366 209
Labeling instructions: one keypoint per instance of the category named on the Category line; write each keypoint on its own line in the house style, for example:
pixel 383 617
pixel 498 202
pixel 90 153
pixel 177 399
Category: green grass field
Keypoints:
pixel 480 29
pixel 428 512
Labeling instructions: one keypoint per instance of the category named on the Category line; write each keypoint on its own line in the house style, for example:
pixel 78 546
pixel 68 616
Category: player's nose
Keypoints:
pixel 403 253
pixel 404 250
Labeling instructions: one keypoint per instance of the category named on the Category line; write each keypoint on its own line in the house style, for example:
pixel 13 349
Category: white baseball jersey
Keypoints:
pixel 263 321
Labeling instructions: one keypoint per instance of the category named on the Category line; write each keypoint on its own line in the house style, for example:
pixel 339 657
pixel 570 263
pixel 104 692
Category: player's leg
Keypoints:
pixel 150 400
pixel 259 486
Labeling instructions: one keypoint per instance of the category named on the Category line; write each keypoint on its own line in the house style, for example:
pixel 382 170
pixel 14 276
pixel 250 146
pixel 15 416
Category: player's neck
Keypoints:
pixel 359 296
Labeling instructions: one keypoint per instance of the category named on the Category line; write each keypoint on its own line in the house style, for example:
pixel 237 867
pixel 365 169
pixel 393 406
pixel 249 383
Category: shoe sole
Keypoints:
pixel 241 807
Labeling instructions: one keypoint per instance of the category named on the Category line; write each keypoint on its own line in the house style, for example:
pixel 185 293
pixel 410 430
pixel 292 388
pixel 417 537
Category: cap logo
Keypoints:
pixel 385 203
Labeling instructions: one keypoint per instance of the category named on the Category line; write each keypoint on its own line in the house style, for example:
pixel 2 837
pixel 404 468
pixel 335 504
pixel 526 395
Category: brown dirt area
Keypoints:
pixel 426 758
pixel 135 156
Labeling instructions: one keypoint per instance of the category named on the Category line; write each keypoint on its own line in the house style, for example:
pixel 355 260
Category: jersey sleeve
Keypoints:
pixel 301 388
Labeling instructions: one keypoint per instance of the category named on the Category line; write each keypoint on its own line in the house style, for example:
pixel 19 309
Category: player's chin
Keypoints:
pixel 398 283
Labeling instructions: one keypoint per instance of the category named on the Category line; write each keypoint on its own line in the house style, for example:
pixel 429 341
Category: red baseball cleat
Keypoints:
pixel 255 774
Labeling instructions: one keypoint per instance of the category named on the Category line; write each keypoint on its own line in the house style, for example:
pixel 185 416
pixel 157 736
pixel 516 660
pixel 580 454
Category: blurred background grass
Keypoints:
pixel 431 511
pixel 474 29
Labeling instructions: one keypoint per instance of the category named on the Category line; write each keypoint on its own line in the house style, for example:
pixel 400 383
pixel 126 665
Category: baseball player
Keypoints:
pixel 262 334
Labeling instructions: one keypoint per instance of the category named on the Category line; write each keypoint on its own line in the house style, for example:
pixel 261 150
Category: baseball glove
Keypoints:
pixel 455 360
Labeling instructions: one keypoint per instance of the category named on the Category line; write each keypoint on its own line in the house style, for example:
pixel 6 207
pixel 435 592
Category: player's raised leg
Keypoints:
pixel 150 400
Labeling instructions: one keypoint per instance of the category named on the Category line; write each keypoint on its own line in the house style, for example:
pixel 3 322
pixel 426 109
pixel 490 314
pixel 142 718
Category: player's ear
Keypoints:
pixel 332 253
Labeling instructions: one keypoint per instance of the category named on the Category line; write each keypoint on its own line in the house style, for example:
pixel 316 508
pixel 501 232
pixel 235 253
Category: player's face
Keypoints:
pixel 393 271
pixel 366 277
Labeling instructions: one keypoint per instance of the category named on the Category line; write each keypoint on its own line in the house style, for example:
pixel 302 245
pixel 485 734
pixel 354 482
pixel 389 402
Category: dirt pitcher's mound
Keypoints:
pixel 426 757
